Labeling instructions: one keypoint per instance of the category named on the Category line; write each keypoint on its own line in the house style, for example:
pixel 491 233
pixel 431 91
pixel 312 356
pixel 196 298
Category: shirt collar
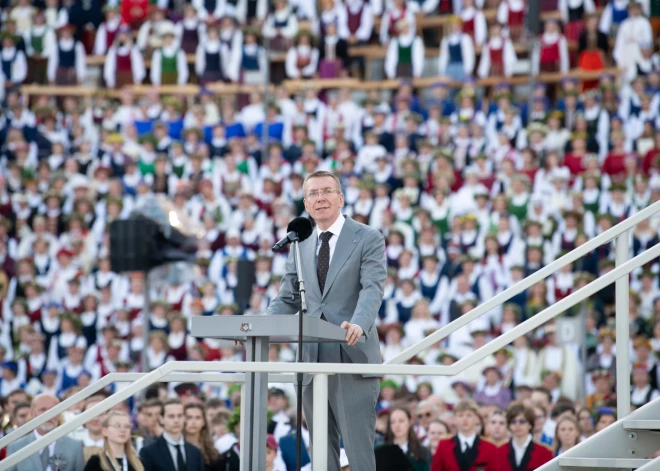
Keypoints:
pixel 335 229
pixel 525 445
pixel 171 441
pixel 469 440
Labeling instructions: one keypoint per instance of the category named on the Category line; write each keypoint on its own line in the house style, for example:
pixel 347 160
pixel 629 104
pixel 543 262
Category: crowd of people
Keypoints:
pixel 473 188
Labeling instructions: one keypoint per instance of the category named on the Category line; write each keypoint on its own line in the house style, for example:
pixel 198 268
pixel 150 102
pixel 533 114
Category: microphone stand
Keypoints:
pixel 299 376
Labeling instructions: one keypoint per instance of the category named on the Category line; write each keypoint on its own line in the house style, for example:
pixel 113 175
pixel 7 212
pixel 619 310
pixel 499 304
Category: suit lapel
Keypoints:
pixel 308 255
pixel 35 458
pixel 346 244
pixel 165 451
pixel 472 453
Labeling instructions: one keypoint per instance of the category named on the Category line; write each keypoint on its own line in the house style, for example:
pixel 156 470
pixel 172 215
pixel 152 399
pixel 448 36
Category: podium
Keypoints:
pixel 257 333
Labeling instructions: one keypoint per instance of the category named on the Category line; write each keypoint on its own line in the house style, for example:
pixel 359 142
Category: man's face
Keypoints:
pixel 151 415
pixel 22 416
pixel 425 415
pixel 323 208
pixel 605 421
pixel 466 421
pixel 173 419
pixel 40 406
pixel 15 399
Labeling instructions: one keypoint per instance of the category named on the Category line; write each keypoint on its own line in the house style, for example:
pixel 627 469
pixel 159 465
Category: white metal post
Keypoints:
pixel 622 294
pixel 320 419
pixel 244 429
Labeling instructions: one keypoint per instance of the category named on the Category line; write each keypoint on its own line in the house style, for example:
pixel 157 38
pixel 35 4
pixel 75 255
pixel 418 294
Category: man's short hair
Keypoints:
pixel 546 391
pixel 152 391
pixel 467 405
pixel 518 408
pixel 214 403
pixel 170 402
pixel 16 392
pixel 321 174
pixel 560 408
pixel 149 404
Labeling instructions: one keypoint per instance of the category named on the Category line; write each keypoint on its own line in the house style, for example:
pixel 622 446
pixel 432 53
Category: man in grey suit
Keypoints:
pixel 65 454
pixel 344 269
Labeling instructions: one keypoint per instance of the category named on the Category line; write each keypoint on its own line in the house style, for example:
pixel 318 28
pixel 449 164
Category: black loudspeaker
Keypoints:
pixel 133 244
pixel 534 25
pixel 246 276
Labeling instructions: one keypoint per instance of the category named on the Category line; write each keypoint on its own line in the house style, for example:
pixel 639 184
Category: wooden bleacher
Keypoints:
pixel 299 85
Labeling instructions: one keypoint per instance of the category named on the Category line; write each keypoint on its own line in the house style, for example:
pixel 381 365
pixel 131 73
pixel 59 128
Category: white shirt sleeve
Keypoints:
pixel 503 13
pixel 100 46
pixel 200 60
pixel 391 59
pixel 110 67
pixel 53 62
pixel 384 28
pixel 510 58
pixel 182 67
pixel 467 48
pixel 292 70
pixel 606 20
pixel 62 17
pixel 430 6
pixel 417 56
pixel 562 6
pixel 366 28
pixel 81 62
pixel 484 62
pixel 443 59
pixel 564 64
pixel 155 68
pixel 137 63
pixel 19 68
pixel 291 28
pixel 480 28
pixel 143 35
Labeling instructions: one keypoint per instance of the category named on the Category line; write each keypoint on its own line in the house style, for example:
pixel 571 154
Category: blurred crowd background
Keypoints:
pixel 497 145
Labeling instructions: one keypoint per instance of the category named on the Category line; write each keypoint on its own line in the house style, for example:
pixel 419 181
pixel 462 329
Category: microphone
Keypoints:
pixel 298 229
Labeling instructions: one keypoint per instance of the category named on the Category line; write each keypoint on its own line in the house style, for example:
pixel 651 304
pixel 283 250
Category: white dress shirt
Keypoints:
pixel 520 450
pixel 336 230
pixel 171 444
pixel 466 442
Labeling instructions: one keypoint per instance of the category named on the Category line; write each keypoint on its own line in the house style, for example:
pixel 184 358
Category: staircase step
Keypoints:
pixel 652 465
pixel 631 424
pixel 600 463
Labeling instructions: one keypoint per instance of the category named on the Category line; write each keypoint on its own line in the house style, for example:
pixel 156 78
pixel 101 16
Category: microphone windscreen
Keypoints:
pixel 302 226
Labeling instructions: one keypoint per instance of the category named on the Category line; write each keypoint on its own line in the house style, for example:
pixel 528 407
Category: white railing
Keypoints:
pixel 620 275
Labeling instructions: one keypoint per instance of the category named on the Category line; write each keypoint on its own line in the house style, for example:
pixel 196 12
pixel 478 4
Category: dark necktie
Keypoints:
pixel 323 260
pixel 180 462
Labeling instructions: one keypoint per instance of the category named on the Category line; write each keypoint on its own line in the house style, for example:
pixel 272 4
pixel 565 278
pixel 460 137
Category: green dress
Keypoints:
pixel 519 211
pixel 168 69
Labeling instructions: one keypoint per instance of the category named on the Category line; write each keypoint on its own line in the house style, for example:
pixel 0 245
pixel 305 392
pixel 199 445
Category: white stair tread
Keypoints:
pixel 631 424
pixel 652 465
pixel 622 463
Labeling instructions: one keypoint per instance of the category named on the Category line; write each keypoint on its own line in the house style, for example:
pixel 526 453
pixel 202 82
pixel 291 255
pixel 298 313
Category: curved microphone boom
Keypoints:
pixel 298 229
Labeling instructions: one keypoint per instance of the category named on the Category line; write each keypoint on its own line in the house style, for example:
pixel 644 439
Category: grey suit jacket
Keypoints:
pixel 69 450
pixel 353 289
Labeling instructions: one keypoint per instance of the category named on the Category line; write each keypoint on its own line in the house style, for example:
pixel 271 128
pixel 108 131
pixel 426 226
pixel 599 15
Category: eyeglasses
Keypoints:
pixel 120 426
pixel 314 194
pixel 421 415
pixel 519 422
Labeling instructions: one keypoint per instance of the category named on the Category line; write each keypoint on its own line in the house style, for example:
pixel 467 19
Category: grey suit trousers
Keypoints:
pixel 351 412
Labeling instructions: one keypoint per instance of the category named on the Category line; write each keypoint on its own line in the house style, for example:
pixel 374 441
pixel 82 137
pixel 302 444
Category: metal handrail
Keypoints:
pixel 522 285
pixel 111 378
pixel 335 368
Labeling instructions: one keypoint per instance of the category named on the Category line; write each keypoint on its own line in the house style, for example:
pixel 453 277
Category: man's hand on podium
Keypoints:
pixel 353 334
